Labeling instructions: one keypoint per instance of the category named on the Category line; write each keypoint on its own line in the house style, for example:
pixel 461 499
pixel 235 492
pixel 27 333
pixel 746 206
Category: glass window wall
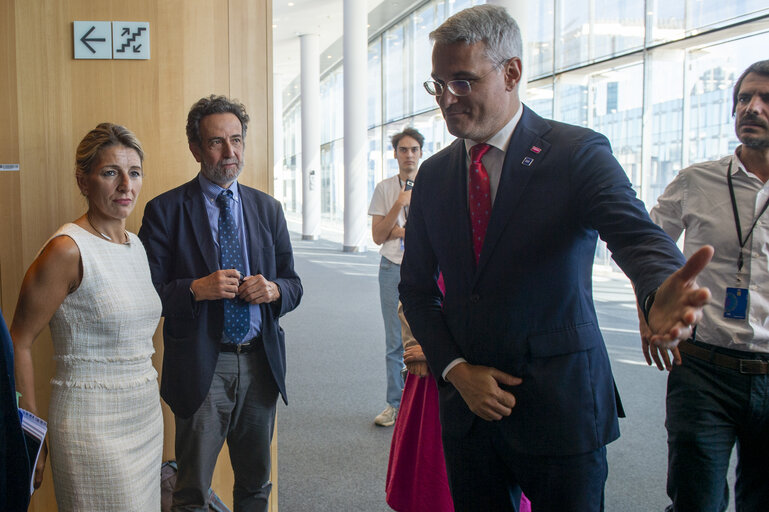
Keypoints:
pixel 592 30
pixel 540 39
pixel 665 79
pixel 397 76
pixel 375 83
pixel 540 98
pixel 656 83
pixel 332 106
pixel 425 20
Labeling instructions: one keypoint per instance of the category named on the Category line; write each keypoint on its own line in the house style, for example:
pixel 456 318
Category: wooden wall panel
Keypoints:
pixel 49 101
pixel 10 214
pixel 249 77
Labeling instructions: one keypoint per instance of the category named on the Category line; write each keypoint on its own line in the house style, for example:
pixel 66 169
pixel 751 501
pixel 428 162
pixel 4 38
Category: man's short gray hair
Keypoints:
pixel 488 23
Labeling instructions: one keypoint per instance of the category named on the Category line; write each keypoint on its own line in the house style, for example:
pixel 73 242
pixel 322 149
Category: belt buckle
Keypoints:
pixel 241 348
pixel 752 367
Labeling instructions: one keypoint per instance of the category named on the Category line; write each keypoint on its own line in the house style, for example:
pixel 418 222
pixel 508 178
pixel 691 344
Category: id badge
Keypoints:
pixel 403 246
pixel 736 303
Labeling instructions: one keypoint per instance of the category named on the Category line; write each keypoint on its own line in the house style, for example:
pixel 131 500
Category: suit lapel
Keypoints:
pixel 458 196
pixel 524 153
pixel 196 210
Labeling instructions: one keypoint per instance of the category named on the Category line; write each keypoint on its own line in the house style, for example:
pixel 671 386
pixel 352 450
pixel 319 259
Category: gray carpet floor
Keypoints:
pixel 331 455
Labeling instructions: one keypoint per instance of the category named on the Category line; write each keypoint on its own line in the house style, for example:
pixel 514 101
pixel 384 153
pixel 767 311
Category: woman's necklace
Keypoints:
pixel 88 218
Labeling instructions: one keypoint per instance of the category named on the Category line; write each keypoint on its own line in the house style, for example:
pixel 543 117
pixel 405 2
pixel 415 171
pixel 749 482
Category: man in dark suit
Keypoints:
pixel 222 263
pixel 14 463
pixel 510 214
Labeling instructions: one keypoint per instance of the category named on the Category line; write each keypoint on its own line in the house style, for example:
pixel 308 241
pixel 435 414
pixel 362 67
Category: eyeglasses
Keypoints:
pixel 455 87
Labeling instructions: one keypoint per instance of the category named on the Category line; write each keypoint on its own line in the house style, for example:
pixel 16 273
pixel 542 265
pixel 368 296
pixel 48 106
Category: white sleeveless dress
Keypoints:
pixel 105 423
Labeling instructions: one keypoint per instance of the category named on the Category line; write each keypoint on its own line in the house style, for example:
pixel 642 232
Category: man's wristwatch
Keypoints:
pixel 647 305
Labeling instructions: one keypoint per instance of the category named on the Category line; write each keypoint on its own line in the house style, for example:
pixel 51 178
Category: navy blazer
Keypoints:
pixel 527 308
pixel 176 233
pixel 14 462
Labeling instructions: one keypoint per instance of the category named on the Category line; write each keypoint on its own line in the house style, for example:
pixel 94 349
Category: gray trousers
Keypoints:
pixel 240 407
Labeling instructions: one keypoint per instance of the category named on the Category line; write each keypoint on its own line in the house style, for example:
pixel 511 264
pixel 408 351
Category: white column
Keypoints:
pixel 310 88
pixel 518 10
pixel 355 118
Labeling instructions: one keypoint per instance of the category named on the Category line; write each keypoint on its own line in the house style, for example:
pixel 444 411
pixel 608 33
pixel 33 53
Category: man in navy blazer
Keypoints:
pixel 14 463
pixel 220 386
pixel 527 397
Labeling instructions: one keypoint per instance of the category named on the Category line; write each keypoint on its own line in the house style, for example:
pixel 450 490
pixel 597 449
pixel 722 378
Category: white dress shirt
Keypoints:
pixel 494 157
pixel 698 203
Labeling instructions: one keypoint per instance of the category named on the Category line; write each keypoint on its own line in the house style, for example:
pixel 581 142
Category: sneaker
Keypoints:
pixel 387 417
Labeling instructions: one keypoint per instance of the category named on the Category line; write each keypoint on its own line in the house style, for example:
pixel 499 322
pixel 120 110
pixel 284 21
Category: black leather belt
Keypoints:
pixel 744 366
pixel 241 348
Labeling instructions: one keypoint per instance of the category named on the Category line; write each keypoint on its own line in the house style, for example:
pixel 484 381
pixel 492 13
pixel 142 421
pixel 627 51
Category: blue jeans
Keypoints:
pixel 709 409
pixel 389 277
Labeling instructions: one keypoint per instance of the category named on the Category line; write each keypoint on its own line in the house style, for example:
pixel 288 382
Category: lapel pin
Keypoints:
pixel 527 161
pixel 535 149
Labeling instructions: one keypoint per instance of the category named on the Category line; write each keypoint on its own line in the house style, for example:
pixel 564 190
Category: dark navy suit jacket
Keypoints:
pixel 527 308
pixel 14 464
pixel 177 236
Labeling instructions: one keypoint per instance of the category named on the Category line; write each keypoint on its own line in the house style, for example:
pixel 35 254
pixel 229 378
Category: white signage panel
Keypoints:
pixel 131 40
pixel 93 39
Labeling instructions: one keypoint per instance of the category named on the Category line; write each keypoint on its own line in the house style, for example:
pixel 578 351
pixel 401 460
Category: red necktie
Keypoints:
pixel 479 197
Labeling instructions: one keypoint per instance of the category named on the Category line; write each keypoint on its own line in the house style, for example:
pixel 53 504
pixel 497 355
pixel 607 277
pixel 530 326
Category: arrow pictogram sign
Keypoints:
pixel 92 39
pixel 85 39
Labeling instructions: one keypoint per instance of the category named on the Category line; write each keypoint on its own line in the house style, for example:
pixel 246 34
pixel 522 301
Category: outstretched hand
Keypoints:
pixel 678 303
pixel 663 358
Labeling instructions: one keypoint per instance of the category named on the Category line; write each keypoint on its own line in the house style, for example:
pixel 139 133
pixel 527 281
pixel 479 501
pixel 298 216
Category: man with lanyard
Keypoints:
pixel 718 388
pixel 389 211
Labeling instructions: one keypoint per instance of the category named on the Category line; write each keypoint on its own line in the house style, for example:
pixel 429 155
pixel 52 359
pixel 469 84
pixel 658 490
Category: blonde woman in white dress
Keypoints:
pixel 91 283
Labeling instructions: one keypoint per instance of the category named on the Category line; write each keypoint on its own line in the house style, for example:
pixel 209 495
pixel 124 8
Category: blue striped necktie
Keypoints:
pixel 236 312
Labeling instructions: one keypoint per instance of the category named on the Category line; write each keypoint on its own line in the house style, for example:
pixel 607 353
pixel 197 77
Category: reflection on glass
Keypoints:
pixel 332 180
pixel 332 106
pixel 666 89
pixel 397 83
pixel 292 145
pixel 594 29
pixel 540 99
pixel 710 13
pixel 573 33
pixel 374 83
pixel 375 158
pixel 424 21
pixel 540 39
pixel 674 20
pixel 571 99
pixel 618 27
pixel 668 20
